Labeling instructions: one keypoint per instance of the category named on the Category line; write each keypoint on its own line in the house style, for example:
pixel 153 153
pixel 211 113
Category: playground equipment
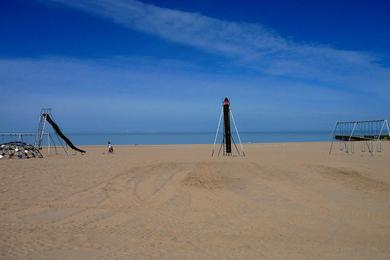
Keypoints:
pixel 44 117
pixel 227 139
pixel 19 145
pixel 19 150
pixel 369 133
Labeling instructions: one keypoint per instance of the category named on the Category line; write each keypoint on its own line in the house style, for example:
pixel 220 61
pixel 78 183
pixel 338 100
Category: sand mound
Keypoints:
pixel 202 179
pixel 217 175
pixel 354 179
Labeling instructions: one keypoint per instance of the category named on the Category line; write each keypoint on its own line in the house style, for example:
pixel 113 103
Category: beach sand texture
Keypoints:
pixel 282 201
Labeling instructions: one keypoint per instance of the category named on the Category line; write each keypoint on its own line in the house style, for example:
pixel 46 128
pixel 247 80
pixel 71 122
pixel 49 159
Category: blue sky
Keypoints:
pixel 166 65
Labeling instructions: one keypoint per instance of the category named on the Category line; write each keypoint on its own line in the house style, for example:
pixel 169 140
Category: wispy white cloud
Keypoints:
pixel 134 89
pixel 252 45
pixel 129 94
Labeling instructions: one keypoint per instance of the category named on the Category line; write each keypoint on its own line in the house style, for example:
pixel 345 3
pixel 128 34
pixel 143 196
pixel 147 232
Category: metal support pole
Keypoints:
pixel 234 143
pixel 63 145
pixel 48 145
pixel 222 144
pixel 333 137
pixel 378 139
pixel 350 136
pixel 238 135
pixel 216 134
pixel 54 144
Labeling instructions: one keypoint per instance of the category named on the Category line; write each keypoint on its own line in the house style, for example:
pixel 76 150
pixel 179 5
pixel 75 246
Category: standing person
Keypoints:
pixel 110 148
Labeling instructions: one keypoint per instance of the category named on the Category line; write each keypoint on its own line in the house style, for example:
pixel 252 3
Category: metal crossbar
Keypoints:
pixel 369 132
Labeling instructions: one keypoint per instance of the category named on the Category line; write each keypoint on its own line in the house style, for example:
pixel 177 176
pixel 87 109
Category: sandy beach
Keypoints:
pixel 282 201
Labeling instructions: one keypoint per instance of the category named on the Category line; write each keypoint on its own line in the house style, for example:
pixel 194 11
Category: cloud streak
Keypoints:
pixel 251 45
pixel 293 83
pixel 128 95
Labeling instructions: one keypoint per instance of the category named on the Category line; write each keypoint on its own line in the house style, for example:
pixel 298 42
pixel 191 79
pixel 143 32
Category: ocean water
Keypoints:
pixel 196 138
pixel 183 138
